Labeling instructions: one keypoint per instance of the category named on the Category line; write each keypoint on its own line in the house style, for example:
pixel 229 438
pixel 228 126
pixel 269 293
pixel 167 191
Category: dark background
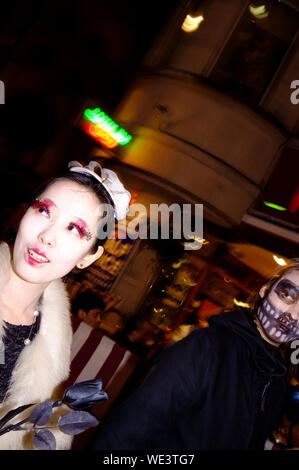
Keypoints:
pixel 77 47
pixel 55 55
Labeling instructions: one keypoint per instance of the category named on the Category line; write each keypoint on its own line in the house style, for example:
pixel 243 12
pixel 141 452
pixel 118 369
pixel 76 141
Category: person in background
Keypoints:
pixel 89 307
pixel 112 322
pixel 221 387
pixel 137 336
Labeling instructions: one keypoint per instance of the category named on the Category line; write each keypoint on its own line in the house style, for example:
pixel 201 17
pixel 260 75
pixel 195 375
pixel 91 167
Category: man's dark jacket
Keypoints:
pixel 221 387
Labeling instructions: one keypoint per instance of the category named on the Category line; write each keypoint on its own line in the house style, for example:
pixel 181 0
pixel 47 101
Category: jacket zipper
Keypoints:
pixel 263 394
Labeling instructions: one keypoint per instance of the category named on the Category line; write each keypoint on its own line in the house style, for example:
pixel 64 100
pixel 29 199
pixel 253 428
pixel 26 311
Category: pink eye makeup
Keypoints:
pixel 43 205
pixel 46 205
pixel 82 229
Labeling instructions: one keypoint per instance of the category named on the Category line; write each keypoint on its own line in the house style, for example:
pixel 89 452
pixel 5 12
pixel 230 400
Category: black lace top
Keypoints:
pixel 13 342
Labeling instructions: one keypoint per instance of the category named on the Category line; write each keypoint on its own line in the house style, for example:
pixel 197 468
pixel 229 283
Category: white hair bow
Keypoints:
pixel 109 179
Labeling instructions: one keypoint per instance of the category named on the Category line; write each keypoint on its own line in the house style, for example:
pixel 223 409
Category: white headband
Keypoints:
pixel 109 179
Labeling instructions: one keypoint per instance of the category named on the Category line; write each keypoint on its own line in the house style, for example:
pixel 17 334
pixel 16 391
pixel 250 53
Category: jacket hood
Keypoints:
pixel 266 357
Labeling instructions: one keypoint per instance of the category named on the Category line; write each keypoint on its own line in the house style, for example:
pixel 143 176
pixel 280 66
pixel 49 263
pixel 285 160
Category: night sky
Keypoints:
pixel 57 54
pixel 78 48
pixel 54 56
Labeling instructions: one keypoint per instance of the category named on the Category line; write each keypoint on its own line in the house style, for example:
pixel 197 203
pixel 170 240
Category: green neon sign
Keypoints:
pixel 274 206
pixel 99 118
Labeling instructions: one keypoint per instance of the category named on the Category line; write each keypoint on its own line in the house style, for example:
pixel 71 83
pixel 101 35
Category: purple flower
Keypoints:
pixel 84 395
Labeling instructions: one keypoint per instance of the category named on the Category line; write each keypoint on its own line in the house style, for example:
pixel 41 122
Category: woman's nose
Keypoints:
pixel 47 238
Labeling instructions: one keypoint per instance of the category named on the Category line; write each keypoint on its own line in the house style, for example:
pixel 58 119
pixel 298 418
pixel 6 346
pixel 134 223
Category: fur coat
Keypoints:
pixel 42 365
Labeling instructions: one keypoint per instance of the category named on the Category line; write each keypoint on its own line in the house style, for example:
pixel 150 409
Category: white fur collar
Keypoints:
pixel 45 362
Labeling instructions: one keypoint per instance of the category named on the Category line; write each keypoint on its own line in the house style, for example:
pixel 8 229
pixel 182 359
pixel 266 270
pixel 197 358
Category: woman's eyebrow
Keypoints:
pixel 81 221
pixel 47 201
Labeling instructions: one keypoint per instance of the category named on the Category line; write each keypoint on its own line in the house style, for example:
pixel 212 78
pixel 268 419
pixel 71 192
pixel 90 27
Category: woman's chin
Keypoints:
pixel 29 273
pixel 32 278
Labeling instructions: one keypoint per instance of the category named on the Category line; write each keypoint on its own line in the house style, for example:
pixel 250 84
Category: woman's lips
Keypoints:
pixel 36 257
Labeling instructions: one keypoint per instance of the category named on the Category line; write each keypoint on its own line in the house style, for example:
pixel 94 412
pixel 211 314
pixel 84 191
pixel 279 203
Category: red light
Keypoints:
pixel 102 136
pixel 133 198
pixel 99 134
pixel 294 202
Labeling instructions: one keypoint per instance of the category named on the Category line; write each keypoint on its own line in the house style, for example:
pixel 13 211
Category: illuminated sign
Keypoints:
pixel 103 129
pixel 274 206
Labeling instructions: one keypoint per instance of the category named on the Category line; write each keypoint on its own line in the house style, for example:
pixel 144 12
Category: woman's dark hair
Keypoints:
pixel 88 181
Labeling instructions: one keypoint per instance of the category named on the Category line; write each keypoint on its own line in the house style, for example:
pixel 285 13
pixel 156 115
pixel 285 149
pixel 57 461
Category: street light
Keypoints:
pixel 191 24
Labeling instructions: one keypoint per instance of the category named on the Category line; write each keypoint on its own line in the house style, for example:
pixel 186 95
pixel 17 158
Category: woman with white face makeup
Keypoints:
pixel 58 231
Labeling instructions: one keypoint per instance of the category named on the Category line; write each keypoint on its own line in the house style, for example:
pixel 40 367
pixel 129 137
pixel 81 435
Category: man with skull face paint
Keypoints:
pixel 221 387
pixel 278 315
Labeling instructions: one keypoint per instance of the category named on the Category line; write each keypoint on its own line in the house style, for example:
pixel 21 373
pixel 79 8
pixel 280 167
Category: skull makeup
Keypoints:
pixel 279 313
